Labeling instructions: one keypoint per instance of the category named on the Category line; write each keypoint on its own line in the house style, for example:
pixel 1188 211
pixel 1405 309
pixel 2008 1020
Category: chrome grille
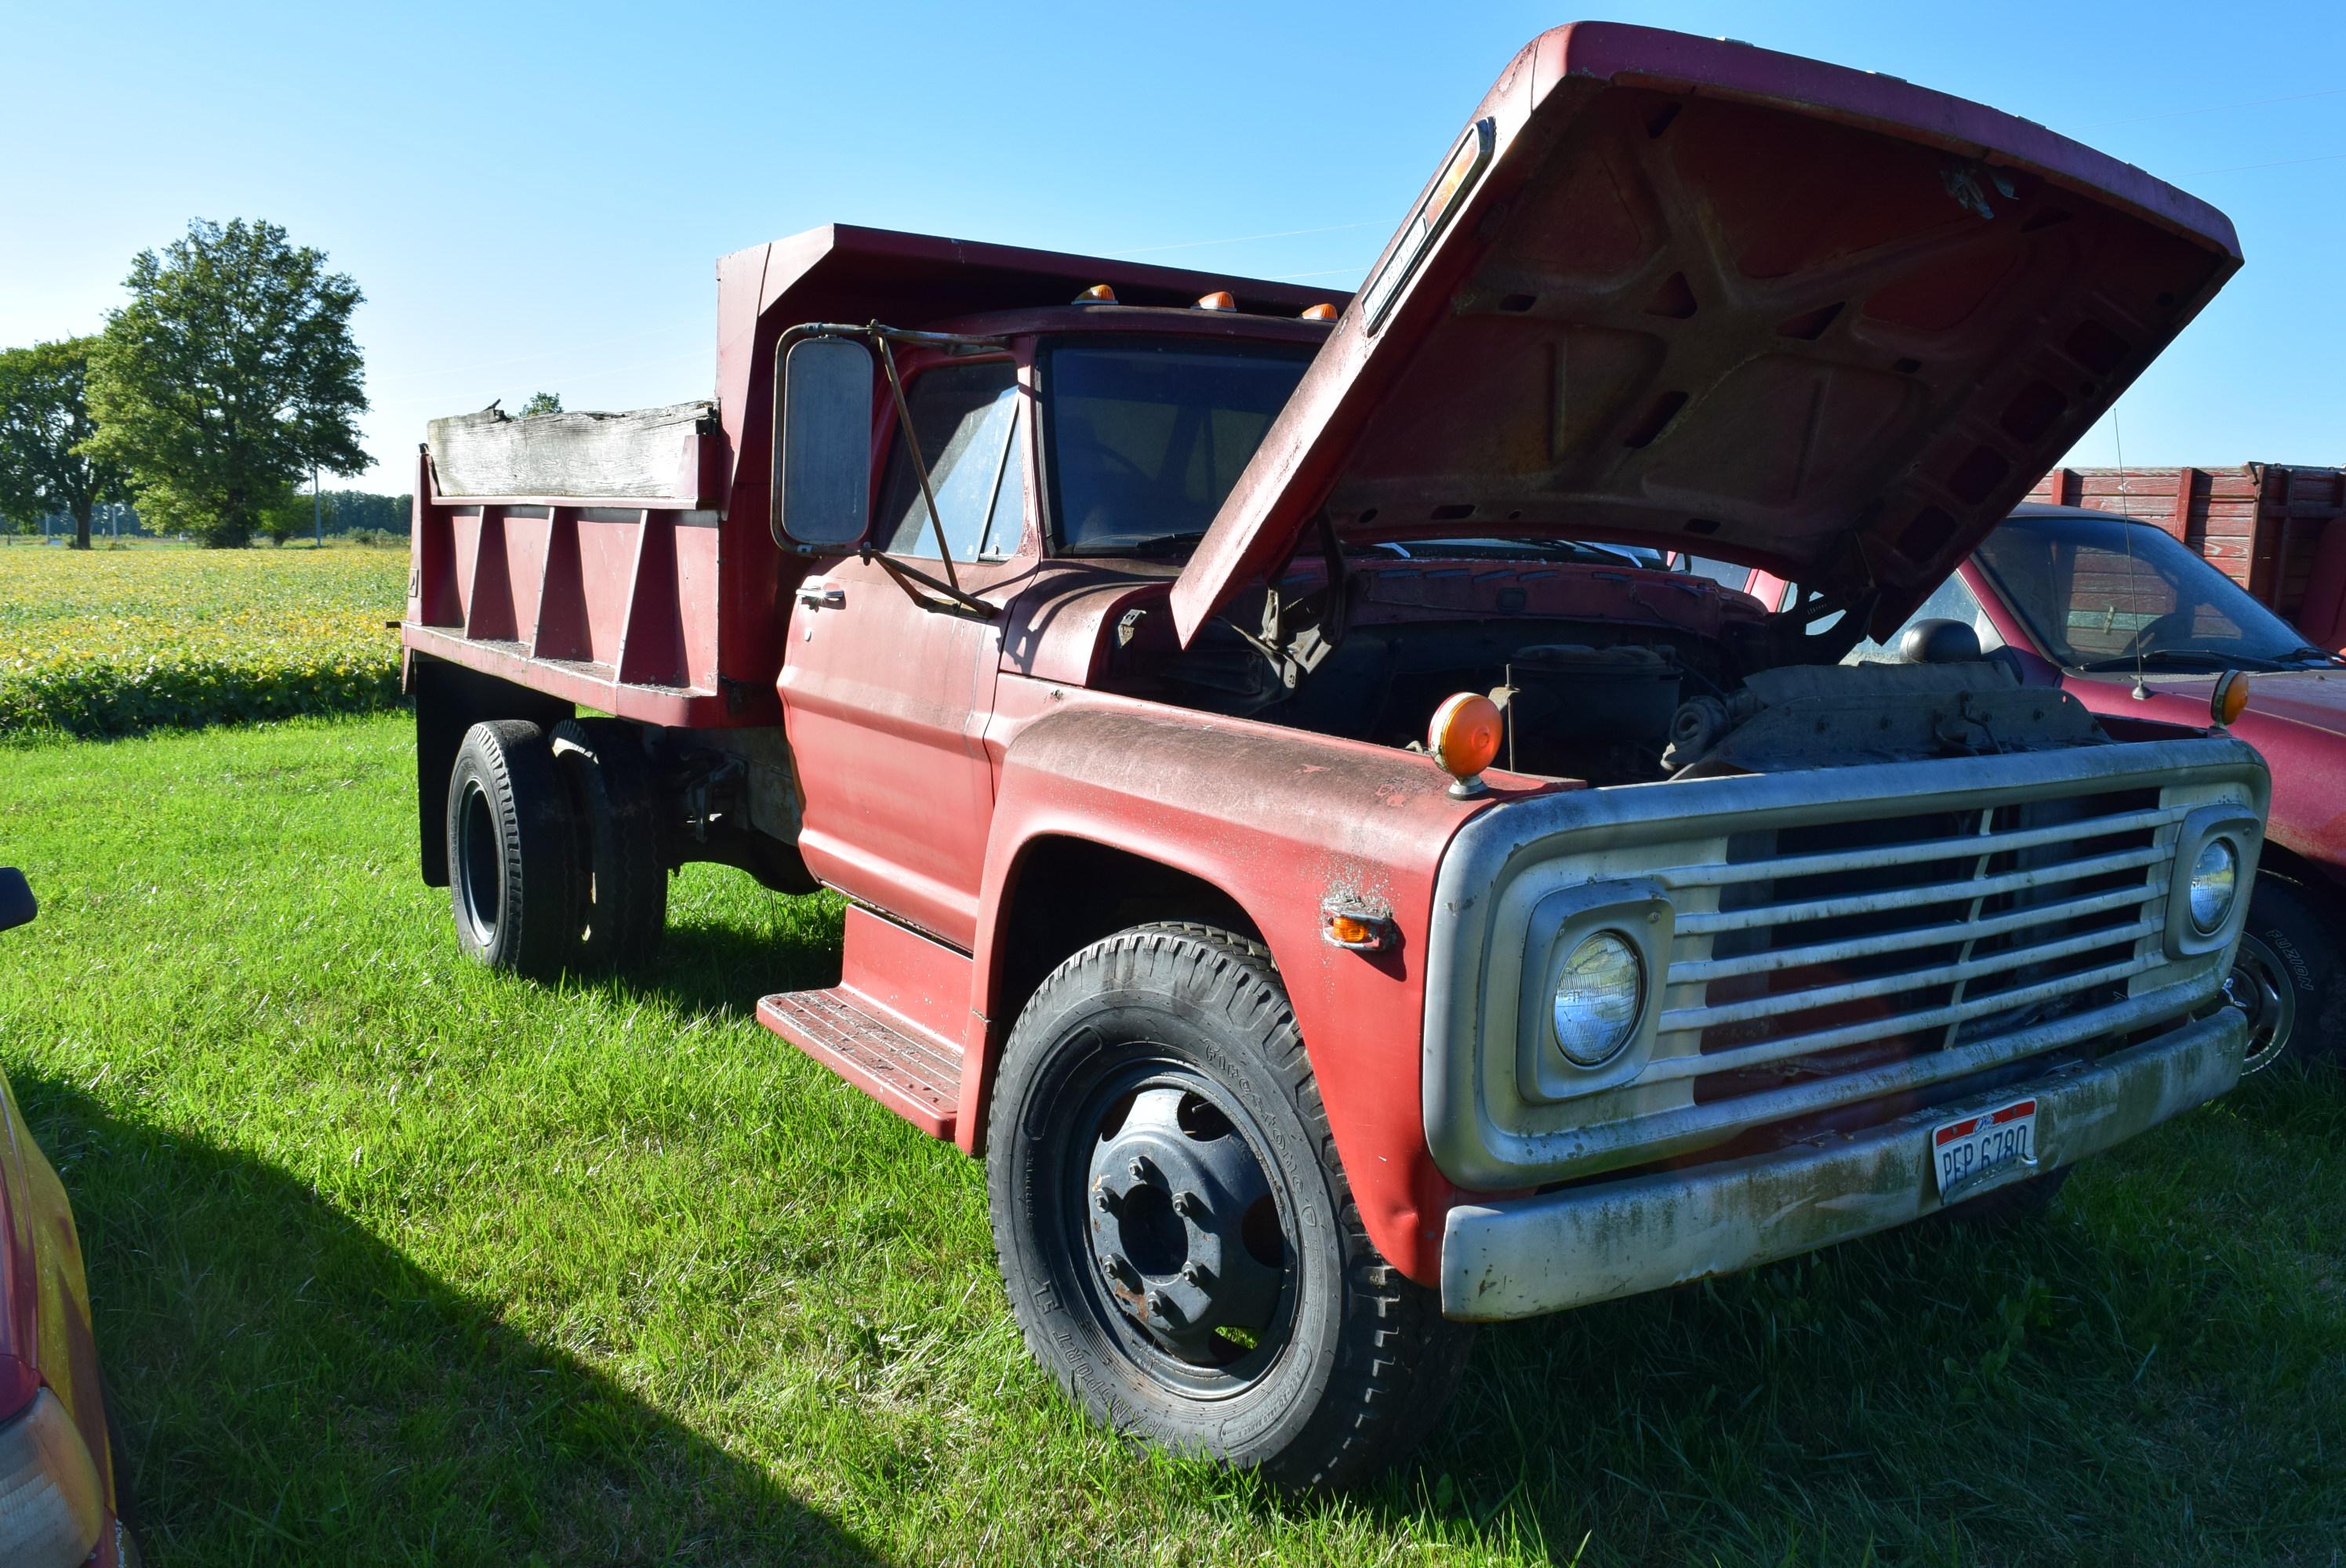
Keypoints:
pixel 1837 946
pixel 1815 952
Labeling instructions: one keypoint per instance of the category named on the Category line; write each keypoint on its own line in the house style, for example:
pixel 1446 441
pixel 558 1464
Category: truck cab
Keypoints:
pixel 1294 828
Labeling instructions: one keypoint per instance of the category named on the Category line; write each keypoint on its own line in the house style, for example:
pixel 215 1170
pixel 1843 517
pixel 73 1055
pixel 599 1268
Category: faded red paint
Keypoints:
pixel 1276 819
pixel 936 753
pixel 1857 375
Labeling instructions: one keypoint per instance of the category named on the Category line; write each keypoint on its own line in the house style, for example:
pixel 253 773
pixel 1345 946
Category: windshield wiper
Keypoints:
pixel 2305 651
pixel 2186 658
pixel 1156 543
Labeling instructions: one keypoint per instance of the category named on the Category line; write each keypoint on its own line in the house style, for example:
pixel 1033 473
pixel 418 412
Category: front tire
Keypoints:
pixel 2288 976
pixel 1174 1228
pixel 513 871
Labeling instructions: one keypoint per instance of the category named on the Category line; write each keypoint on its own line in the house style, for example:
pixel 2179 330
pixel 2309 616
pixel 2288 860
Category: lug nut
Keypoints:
pixel 1193 1274
pixel 1157 1301
pixel 1117 1270
pixel 1139 1168
pixel 1187 1205
pixel 1103 1200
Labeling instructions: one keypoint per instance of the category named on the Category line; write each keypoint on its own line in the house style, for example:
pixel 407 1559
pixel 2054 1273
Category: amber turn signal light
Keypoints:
pixel 1344 923
pixel 1323 311
pixel 1220 300
pixel 1098 294
pixel 1464 739
pixel 2230 699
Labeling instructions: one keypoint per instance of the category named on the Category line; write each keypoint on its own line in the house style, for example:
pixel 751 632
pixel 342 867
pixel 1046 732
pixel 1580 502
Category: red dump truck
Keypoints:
pixel 1291 828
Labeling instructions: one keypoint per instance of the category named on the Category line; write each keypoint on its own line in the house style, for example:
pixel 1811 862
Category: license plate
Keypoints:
pixel 1968 1152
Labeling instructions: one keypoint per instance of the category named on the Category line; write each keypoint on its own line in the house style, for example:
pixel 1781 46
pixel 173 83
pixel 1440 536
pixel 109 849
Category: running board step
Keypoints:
pixel 911 1075
pixel 892 1025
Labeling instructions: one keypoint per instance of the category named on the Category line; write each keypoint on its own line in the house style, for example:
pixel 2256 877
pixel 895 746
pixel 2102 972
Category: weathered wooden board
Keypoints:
pixel 647 453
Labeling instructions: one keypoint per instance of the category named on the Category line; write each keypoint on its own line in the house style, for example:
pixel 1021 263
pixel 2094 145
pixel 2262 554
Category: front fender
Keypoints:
pixel 1278 819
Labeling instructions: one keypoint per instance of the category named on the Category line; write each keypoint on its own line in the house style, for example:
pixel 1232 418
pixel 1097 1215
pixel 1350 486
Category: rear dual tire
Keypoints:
pixel 511 872
pixel 554 854
pixel 623 900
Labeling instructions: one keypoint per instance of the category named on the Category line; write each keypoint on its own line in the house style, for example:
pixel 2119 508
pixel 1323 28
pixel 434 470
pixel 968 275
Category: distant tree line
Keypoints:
pixel 227 379
pixel 342 511
pixel 346 512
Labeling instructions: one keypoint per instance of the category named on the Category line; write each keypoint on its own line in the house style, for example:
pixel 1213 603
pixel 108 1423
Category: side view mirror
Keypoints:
pixel 822 446
pixel 18 906
pixel 1939 642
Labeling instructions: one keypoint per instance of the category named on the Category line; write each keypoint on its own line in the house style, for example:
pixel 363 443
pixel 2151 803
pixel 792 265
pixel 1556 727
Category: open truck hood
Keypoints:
pixel 1697 295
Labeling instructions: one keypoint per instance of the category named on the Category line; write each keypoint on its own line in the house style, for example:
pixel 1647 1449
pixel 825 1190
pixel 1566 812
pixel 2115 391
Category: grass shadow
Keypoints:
pixel 2150 1372
pixel 730 942
pixel 288 1388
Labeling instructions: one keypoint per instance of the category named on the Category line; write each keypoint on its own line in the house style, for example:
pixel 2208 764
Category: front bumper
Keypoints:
pixel 1518 1258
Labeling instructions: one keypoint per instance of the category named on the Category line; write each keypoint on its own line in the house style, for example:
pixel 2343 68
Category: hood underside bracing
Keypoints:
pixel 1709 298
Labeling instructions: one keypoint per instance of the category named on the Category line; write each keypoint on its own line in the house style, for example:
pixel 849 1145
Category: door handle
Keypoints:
pixel 823 596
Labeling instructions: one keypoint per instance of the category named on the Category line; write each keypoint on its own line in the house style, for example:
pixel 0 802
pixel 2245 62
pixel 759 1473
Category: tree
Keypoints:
pixel 283 515
pixel 45 424
pixel 541 403
pixel 227 375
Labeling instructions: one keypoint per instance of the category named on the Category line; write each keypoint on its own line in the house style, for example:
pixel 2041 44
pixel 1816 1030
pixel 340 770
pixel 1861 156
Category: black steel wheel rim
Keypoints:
pixel 2259 986
pixel 479 859
pixel 1214 1333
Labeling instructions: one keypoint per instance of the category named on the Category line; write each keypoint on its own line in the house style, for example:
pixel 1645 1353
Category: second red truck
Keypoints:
pixel 1289 829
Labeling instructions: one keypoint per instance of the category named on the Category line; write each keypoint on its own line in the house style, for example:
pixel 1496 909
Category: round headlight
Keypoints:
pixel 1597 999
pixel 2215 877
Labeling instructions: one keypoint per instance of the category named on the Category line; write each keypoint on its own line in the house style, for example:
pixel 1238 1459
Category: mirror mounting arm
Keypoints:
pixel 920 466
pixel 905 578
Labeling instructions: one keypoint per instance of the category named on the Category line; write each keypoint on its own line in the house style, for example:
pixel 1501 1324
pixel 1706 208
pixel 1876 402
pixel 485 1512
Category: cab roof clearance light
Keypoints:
pixel 1220 300
pixel 1098 294
pixel 1466 162
pixel 1323 312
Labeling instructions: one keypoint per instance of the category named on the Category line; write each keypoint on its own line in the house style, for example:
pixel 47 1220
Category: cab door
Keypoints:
pixel 886 695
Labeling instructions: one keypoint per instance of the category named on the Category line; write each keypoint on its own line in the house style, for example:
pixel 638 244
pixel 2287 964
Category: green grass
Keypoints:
pixel 396 1261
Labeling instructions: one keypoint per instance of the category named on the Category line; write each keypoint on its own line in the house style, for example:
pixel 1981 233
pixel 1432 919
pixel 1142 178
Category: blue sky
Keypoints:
pixel 533 196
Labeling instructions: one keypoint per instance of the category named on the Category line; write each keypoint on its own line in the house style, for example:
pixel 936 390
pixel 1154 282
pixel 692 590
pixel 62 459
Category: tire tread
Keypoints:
pixel 1398 1358
pixel 537 905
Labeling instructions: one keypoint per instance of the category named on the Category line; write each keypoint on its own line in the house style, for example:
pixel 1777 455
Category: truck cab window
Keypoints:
pixel 963 415
pixel 1726 573
pixel 1148 439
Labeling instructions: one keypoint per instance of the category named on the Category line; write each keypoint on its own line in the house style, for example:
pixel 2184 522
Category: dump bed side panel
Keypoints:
pixel 615 601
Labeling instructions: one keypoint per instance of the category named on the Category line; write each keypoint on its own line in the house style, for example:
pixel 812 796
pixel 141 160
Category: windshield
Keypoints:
pixel 2100 593
pixel 1147 438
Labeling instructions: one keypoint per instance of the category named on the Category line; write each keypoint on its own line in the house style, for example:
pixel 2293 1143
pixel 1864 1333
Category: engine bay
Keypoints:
pixel 1693 681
